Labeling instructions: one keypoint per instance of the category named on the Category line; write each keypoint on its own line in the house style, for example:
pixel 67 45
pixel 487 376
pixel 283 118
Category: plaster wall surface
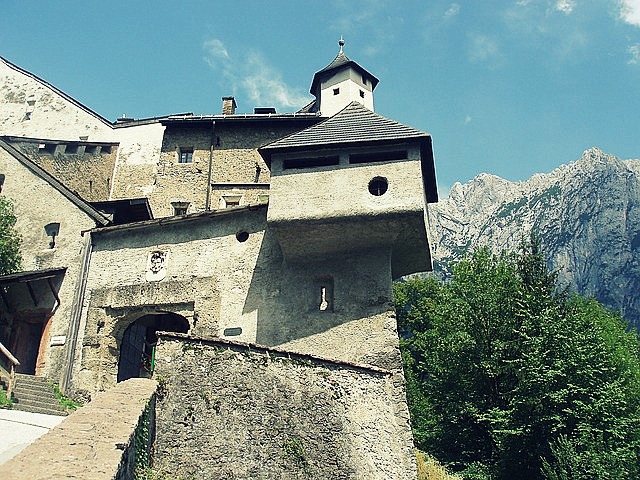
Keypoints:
pixel 37 203
pixel 136 167
pixel 31 108
pixel 235 289
pixel 349 85
pixel 244 412
pixel 343 190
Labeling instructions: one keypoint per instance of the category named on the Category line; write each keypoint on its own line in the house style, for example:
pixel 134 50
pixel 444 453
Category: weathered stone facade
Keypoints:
pixel 280 231
pixel 240 411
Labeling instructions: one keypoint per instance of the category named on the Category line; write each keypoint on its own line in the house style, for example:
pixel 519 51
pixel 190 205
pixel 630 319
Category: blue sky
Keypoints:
pixel 509 87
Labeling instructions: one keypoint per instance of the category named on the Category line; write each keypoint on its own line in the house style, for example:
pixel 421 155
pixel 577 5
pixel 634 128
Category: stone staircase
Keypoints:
pixel 35 394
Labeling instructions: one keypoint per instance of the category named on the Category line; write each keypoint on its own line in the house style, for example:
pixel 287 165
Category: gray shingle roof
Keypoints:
pixel 340 61
pixel 352 125
pixel 356 125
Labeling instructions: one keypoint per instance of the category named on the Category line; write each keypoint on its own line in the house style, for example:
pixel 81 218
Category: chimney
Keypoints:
pixel 228 106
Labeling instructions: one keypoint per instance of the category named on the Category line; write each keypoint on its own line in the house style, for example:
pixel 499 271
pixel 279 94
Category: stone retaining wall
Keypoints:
pixel 96 442
pixel 239 411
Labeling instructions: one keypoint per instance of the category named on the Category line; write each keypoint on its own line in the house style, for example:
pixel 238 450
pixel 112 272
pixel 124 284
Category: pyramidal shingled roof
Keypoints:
pixel 354 124
pixel 340 61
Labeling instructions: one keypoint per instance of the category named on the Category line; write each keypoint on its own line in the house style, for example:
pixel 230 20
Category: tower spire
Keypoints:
pixel 341 43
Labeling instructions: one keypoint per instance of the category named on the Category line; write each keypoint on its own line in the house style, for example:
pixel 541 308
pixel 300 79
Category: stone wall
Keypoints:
pixel 228 410
pixel 98 441
pixel 229 286
pixel 87 170
pixel 38 203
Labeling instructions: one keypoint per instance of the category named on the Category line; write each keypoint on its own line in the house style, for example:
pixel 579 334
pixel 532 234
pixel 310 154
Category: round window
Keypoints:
pixel 242 236
pixel 378 186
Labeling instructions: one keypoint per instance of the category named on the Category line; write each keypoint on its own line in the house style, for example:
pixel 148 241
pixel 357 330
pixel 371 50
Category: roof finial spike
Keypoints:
pixel 341 43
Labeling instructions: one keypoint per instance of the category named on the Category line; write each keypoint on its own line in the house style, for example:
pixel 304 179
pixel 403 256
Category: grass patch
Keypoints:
pixel 66 402
pixel 430 469
pixel 5 402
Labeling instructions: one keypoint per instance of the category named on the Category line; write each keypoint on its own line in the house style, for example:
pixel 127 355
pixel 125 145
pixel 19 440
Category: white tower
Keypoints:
pixel 341 82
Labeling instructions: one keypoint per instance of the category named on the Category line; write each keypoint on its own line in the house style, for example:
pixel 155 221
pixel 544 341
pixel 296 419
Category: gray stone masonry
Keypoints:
pixel 96 442
pixel 232 410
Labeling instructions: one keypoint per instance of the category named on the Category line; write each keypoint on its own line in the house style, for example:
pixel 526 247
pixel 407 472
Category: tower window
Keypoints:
pixel 185 155
pixel 180 208
pixel 228 201
pixel 323 294
pixel 361 93
pixel 336 91
pixel 378 186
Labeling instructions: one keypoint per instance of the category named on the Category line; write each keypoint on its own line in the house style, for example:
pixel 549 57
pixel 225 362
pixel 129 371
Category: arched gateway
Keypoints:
pixel 137 349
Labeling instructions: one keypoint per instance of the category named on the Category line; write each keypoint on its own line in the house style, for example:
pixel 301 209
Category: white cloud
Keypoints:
pixel 565 6
pixel 634 50
pixel 215 51
pixel 630 11
pixel 265 85
pixel 484 49
pixel 452 11
pixel 253 77
pixel 467 119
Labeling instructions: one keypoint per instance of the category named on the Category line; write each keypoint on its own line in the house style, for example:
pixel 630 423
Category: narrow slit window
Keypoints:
pixel 311 162
pixel 323 294
pixel 373 157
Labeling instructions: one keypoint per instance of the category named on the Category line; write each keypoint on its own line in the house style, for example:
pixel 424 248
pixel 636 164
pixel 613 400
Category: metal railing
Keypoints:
pixel 12 369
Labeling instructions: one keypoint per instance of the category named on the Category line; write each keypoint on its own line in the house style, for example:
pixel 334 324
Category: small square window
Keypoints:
pixel 362 93
pixel 229 201
pixel 185 155
pixel 106 149
pixel 180 208
pixel 336 91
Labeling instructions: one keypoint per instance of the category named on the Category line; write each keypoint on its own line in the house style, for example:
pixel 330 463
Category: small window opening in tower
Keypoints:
pixel 378 186
pixel 323 294
pixel 324 304
pixel 185 155
pixel 52 230
pixel 1 181
pixel 336 91
pixel 362 93
pixel 180 208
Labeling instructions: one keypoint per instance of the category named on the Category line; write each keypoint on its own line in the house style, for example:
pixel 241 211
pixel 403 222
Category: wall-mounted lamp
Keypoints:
pixel 52 230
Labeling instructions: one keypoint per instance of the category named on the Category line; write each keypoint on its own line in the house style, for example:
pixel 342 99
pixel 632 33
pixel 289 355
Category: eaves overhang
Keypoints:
pixel 177 219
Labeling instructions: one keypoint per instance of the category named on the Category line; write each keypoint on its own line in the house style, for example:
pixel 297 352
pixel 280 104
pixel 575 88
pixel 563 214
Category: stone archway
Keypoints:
pixel 137 348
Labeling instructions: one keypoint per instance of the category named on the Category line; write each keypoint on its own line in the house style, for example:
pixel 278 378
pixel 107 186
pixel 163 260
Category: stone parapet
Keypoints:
pixel 96 442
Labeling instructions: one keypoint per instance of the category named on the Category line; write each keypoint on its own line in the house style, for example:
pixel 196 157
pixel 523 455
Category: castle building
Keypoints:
pixel 278 230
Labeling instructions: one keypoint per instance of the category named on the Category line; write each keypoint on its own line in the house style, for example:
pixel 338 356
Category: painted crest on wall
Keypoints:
pixel 157 265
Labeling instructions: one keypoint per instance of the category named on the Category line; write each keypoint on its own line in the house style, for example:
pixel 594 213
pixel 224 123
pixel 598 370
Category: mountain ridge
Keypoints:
pixel 586 212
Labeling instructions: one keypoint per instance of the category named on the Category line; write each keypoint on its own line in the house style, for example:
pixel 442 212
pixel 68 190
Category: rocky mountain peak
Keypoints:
pixel 587 213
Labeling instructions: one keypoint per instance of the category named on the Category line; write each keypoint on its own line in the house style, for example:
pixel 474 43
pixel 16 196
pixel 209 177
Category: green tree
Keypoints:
pixel 10 259
pixel 508 377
